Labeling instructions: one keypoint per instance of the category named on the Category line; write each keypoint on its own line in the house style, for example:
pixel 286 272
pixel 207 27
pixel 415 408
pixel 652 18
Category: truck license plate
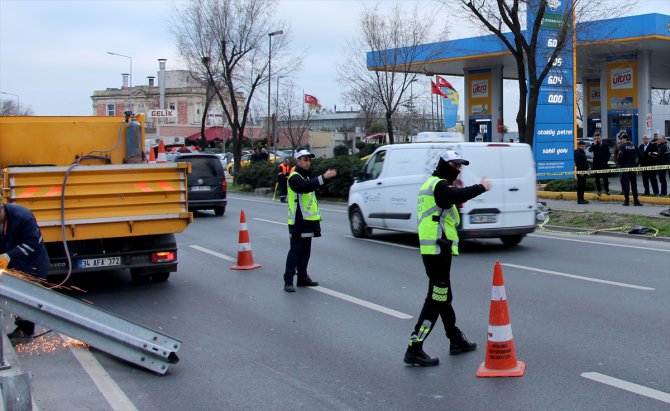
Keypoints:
pixel 99 262
pixel 201 188
pixel 483 219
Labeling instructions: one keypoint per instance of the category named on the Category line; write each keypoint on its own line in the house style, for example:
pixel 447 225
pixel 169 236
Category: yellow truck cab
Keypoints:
pixel 98 204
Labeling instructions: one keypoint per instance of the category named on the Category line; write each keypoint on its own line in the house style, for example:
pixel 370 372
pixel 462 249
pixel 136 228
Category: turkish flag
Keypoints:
pixel 441 82
pixel 311 99
pixel 436 90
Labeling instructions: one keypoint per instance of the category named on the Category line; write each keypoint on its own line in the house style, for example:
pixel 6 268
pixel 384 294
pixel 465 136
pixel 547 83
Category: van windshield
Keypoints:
pixel 204 166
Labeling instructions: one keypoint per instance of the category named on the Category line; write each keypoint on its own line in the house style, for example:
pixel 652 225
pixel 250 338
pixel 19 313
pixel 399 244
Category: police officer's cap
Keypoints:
pixel 453 156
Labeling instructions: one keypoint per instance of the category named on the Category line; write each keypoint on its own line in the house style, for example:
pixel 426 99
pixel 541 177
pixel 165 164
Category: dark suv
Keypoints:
pixel 206 182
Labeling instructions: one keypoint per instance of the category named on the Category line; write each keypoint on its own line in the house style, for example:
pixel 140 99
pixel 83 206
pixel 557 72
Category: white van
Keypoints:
pixel 385 193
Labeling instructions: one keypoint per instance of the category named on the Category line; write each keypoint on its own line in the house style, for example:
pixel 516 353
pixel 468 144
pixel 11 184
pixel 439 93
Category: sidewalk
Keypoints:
pixel 648 209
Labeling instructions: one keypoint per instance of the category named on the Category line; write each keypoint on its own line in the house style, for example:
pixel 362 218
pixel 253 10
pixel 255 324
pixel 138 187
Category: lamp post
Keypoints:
pixel 18 102
pixel 130 88
pixel 276 131
pixel 274 33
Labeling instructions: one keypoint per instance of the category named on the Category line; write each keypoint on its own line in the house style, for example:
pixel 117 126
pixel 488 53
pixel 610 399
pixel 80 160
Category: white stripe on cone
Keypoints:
pixel 244 247
pixel 500 333
pixel 498 293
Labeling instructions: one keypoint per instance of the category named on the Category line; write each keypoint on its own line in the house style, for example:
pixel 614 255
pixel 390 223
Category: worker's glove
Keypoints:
pixel 4 261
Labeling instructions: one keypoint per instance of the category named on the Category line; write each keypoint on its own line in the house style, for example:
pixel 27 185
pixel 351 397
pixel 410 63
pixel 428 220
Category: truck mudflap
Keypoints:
pixel 143 255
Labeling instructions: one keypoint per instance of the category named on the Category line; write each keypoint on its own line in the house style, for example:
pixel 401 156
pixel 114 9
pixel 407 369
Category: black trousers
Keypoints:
pixel 438 269
pixel 628 184
pixel 649 177
pixel 663 181
pixel 581 186
pixel 297 258
pixel 606 182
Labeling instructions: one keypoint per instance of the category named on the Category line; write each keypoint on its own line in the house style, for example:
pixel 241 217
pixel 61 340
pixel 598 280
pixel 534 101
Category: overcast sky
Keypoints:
pixel 53 52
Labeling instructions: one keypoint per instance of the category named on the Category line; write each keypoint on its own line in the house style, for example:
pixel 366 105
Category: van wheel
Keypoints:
pixel 511 240
pixel 357 224
pixel 219 211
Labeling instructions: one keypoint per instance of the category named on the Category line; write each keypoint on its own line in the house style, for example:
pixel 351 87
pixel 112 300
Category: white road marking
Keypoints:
pixel 269 221
pixel 116 398
pixel 363 303
pixel 628 386
pixel 330 292
pixel 578 277
pixel 214 253
pixel 665 250
pixel 384 242
pixel 274 202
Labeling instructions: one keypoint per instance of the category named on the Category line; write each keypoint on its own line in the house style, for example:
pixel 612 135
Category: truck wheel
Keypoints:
pixel 139 276
pixel 160 277
pixel 357 224
pixel 511 240
pixel 219 210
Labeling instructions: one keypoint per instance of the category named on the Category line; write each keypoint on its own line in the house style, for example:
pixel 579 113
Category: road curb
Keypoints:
pixel 568 195
pixel 592 231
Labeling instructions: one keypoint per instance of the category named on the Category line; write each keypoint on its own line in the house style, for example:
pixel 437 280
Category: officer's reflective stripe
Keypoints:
pixel 244 247
pixel 306 235
pixel 28 247
pixel 40 240
pixel 312 199
pixel 424 330
pixel 426 191
pixel 440 293
pixel 429 212
pixel 426 242
pixel 498 293
pixel 20 247
pixel 500 333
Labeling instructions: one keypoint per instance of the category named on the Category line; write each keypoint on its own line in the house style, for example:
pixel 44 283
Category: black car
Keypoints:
pixel 206 182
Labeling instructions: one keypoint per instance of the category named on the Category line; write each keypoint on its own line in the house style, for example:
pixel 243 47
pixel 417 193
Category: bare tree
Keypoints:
pixel 395 42
pixel 227 42
pixel 660 96
pixel 9 108
pixel 369 106
pixel 293 120
pixel 503 16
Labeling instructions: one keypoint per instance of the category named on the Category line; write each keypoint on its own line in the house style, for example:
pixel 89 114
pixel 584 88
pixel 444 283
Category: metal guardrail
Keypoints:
pixel 106 332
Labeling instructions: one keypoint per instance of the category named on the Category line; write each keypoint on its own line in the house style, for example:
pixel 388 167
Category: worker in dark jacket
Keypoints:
pixel 582 164
pixel 22 249
pixel 648 155
pixel 627 156
pixel 283 171
pixel 438 218
pixel 303 219
pixel 601 158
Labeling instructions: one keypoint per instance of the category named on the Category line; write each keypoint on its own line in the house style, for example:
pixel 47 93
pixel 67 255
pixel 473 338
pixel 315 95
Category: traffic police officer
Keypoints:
pixel 627 157
pixel 303 219
pixel 22 249
pixel 438 218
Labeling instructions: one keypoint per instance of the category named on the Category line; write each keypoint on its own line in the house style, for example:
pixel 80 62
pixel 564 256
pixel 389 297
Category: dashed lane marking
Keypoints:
pixel 362 303
pixel 409 247
pixel 578 277
pixel 333 293
pixel 214 253
pixel 274 202
pixel 665 250
pixel 269 221
pixel 628 386
pixel 116 398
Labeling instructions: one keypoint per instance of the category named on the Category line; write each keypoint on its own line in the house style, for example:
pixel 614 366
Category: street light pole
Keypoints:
pixel 18 102
pixel 274 33
pixel 276 131
pixel 130 88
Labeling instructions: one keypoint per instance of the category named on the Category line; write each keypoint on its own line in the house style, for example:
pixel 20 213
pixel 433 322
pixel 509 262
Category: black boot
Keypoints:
pixel 416 356
pixel 305 281
pixel 460 344
pixel 288 283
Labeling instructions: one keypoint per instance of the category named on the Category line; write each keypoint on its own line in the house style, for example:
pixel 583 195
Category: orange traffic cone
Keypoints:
pixel 245 258
pixel 162 157
pixel 152 156
pixel 500 358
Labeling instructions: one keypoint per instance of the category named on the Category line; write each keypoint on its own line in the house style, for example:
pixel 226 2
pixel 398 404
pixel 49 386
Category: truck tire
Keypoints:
pixel 511 240
pixel 357 224
pixel 219 211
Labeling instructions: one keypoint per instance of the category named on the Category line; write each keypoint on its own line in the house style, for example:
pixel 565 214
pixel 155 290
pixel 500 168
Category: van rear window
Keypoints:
pixel 204 166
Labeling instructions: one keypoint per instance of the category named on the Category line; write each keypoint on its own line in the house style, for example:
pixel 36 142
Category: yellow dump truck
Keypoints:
pixel 99 207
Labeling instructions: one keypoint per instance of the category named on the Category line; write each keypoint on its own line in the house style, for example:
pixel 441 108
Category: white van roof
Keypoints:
pixel 439 137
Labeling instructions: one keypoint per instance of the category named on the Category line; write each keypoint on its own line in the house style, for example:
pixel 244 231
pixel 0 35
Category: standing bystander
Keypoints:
pixel 303 219
pixel 282 176
pixel 601 157
pixel 648 153
pixel 663 160
pixel 582 164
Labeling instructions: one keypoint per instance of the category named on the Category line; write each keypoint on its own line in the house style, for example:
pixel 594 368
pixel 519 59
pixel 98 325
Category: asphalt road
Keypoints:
pixel 590 317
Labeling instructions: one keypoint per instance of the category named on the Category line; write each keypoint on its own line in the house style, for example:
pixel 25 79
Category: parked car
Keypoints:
pixel 246 160
pixel 206 183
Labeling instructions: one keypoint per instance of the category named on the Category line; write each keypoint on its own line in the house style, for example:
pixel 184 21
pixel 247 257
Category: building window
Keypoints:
pixel 172 106
pixel 111 109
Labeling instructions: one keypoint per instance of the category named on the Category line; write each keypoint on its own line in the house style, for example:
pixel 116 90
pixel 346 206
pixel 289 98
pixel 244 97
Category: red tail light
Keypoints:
pixel 162 257
pixel 224 185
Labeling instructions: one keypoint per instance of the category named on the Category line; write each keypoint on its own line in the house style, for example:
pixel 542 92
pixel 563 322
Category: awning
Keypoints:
pixel 212 133
pixel 375 135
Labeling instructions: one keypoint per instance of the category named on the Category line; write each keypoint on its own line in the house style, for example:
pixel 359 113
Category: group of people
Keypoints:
pixel 649 153
pixel 438 220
